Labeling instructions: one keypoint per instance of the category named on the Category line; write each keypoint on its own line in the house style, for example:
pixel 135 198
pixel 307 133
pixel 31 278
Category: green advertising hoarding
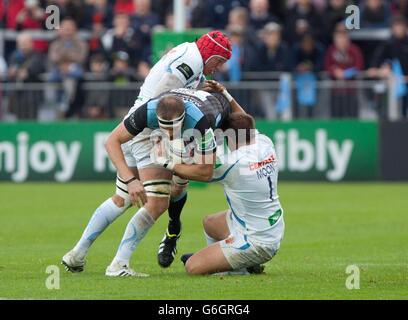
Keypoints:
pixel 74 151
pixel 329 150
pixel 62 151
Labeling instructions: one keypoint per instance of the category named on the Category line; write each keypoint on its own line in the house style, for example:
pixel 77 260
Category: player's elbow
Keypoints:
pixel 109 142
pixel 207 172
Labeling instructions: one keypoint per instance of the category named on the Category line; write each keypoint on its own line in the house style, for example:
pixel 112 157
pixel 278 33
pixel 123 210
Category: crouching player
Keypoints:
pixel 249 233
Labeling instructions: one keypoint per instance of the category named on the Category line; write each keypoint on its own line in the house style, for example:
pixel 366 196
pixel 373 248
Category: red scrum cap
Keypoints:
pixel 214 44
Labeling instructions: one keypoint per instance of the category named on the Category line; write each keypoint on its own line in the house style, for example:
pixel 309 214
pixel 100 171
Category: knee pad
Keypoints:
pixel 121 190
pixel 158 188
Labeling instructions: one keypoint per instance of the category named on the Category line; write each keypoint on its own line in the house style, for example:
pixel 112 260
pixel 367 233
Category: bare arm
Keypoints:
pixel 113 147
pixel 198 172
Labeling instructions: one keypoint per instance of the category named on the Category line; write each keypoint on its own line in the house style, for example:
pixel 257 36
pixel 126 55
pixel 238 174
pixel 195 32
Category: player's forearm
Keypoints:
pixel 235 107
pixel 196 172
pixel 115 153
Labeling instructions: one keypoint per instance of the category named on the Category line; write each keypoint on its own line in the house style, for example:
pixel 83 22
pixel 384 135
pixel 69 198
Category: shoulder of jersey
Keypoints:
pixel 192 56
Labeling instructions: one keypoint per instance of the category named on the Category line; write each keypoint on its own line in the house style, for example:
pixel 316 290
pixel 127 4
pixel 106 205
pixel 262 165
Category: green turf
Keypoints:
pixel 328 227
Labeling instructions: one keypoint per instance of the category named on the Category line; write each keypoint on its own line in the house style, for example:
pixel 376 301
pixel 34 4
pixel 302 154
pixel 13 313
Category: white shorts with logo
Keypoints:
pixel 242 251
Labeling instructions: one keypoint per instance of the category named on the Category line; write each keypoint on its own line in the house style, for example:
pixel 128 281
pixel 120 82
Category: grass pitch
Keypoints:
pixel 328 227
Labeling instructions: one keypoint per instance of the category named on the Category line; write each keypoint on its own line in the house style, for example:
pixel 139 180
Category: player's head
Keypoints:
pixel 241 130
pixel 215 49
pixel 170 112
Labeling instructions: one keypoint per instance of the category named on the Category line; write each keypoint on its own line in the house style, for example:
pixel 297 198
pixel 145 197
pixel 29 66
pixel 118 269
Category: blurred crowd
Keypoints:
pixel 305 37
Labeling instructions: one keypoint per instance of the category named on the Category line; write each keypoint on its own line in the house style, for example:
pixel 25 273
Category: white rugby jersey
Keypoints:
pixel 184 61
pixel 249 177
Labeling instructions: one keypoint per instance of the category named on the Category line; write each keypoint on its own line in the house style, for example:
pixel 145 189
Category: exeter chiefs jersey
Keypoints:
pixel 204 112
pixel 249 176
pixel 183 61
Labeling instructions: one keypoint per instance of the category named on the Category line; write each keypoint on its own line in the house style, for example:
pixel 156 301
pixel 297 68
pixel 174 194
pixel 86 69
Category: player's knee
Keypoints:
pixel 191 267
pixel 177 191
pixel 208 222
pixel 156 206
pixel 121 202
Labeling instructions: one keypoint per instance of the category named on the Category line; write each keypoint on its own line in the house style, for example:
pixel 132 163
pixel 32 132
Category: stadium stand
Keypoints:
pixel 297 48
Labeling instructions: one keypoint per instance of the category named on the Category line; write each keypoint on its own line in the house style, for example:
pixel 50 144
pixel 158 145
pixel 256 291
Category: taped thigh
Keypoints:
pixel 158 188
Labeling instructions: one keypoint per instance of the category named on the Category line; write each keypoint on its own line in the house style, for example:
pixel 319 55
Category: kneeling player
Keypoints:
pixel 249 233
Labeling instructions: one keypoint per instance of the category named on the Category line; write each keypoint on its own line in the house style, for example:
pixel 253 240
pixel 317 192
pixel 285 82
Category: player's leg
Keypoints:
pixel 157 184
pixel 216 227
pixel 234 252
pixel 167 247
pixel 103 216
pixel 208 260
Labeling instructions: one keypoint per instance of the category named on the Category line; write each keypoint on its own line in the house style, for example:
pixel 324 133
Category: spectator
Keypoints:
pixel 275 56
pixel 99 14
pixel 142 22
pixel 334 13
pixel 9 11
pixel 67 56
pixel 121 73
pixel 74 9
pixel 124 6
pixel 320 5
pixel 240 17
pixel 197 14
pixel 32 16
pixel 308 55
pixel 245 57
pixel 395 48
pixel 97 101
pixel 123 38
pixel 302 18
pixel 25 65
pixel 343 60
pixel 218 12
pixel 274 53
pixel 163 7
pixel 375 14
pixel 259 14
pixel 308 60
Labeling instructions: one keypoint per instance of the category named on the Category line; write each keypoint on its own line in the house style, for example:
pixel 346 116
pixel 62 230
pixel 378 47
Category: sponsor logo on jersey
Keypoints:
pixel 257 165
pixel 185 70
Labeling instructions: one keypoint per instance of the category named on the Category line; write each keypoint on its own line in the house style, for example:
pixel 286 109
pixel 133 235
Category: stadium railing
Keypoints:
pixel 367 99
pixel 258 92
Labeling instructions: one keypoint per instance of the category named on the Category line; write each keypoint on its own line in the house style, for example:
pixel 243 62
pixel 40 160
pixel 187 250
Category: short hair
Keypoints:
pixel 242 12
pixel 241 123
pixel 170 107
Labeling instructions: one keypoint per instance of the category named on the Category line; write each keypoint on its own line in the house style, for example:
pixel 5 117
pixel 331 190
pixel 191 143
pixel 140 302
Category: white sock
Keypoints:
pixel 210 240
pixel 103 216
pixel 135 231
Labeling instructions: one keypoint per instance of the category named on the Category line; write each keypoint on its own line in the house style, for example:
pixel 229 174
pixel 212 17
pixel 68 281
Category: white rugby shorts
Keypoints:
pixel 242 251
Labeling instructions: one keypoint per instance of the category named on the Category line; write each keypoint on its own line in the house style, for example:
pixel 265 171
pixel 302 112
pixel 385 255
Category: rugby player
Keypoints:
pixel 249 233
pixel 184 66
pixel 192 114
